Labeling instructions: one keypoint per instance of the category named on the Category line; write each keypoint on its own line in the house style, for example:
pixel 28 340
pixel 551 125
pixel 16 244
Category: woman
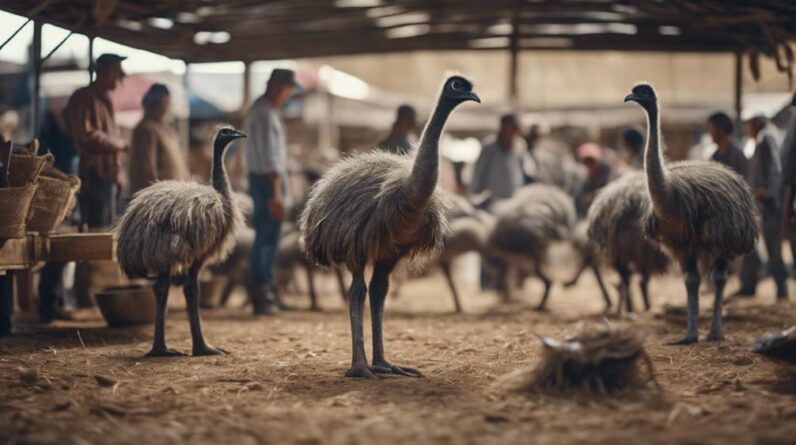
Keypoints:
pixel 155 153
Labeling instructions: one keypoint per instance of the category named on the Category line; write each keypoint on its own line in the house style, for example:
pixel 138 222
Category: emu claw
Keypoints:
pixel 165 352
pixel 683 341
pixel 360 372
pixel 209 350
pixel 386 368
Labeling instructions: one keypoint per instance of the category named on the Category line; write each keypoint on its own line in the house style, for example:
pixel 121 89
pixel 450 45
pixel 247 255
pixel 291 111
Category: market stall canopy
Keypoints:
pixel 204 31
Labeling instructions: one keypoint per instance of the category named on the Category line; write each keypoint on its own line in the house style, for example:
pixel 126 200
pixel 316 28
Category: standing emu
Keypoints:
pixel 526 225
pixel 703 212
pixel 617 233
pixel 170 230
pixel 378 208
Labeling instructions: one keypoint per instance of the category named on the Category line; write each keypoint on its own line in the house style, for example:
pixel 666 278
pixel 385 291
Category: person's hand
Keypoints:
pixel 276 205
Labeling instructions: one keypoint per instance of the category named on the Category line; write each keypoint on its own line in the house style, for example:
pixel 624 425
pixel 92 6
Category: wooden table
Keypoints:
pixel 20 257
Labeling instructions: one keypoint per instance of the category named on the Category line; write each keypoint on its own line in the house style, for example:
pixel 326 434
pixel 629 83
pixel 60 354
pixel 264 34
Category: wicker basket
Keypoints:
pixel 14 205
pixel 53 200
pixel 25 166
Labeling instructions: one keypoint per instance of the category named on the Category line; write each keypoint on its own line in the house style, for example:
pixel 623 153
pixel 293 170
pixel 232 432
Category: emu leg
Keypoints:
pixel 692 278
pixel 720 272
pixel 624 289
pixel 229 286
pixel 509 281
pixel 599 276
pixel 191 290
pixel 159 348
pixel 446 270
pixel 574 280
pixel 356 306
pixel 379 286
pixel 644 286
pixel 338 273
pixel 548 283
pixel 311 285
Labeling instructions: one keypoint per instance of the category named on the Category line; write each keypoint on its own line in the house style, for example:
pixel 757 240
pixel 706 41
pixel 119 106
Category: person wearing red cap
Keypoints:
pixel 598 174
pixel 92 125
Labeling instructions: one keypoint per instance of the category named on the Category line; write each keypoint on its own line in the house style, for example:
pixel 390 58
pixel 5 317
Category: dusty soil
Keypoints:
pixel 283 380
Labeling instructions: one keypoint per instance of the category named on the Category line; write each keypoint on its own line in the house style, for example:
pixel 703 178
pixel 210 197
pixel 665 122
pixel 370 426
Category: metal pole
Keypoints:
pixel 11 37
pixel 91 59
pixel 44 59
pixel 36 87
pixel 738 92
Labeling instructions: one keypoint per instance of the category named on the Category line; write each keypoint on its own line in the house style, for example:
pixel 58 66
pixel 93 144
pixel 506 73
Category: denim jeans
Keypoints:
pixel 771 230
pixel 267 229
pixel 97 199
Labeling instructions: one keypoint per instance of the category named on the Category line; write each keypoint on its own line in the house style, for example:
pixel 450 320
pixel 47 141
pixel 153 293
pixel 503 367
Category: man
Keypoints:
pixel 498 169
pixel 155 153
pixel 721 129
pixel 266 156
pixel 91 123
pixel 399 140
pixel 598 174
pixel 764 177
pixel 632 145
pixel 789 179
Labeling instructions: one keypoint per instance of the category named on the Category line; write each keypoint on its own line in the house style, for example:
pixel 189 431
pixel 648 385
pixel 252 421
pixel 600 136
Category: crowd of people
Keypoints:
pixel 506 163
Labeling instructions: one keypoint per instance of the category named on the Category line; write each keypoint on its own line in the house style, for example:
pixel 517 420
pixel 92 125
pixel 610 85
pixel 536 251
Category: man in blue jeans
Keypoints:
pixel 266 158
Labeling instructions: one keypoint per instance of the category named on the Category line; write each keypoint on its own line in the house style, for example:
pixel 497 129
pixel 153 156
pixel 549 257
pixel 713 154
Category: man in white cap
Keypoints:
pixel 266 159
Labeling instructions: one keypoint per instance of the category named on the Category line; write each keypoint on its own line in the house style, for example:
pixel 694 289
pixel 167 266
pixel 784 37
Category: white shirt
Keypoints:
pixel 266 146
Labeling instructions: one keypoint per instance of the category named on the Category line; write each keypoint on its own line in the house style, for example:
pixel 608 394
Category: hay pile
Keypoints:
pixel 602 358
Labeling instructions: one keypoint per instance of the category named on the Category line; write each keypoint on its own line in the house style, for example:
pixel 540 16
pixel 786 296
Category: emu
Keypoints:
pixel 701 211
pixel 170 230
pixel 526 225
pixel 615 230
pixel 378 208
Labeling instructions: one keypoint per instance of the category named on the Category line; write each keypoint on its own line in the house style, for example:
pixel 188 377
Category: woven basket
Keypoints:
pixel 25 167
pixel 14 206
pixel 54 199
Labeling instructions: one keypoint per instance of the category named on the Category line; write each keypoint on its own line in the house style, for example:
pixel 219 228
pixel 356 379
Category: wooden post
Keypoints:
pixel 35 58
pixel 247 88
pixel 738 93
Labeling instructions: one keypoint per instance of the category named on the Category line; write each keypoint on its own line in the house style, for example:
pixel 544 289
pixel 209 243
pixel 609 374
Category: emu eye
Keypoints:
pixel 456 85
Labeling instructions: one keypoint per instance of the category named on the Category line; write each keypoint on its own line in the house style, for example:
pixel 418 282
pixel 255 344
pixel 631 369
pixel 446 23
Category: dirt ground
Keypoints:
pixel 283 381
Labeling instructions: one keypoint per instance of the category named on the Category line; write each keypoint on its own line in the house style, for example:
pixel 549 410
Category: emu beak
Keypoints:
pixel 630 97
pixel 237 134
pixel 473 97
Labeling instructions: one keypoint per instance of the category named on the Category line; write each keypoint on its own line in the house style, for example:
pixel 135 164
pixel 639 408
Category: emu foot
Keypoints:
pixel 208 350
pixel 386 368
pixel 163 352
pixel 540 307
pixel 360 372
pixel 687 340
pixel 715 335
pixel 315 308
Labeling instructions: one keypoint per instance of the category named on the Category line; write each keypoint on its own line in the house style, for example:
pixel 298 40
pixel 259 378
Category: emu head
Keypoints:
pixel 226 135
pixel 644 95
pixel 457 89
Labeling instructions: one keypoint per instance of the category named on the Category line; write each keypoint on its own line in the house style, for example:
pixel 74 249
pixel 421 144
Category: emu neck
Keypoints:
pixel 657 178
pixel 218 172
pixel 425 171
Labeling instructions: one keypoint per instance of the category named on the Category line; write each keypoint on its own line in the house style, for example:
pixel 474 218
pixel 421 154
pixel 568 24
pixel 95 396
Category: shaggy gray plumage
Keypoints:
pixel 615 222
pixel 526 225
pixel 379 208
pixel 171 229
pixel 702 211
